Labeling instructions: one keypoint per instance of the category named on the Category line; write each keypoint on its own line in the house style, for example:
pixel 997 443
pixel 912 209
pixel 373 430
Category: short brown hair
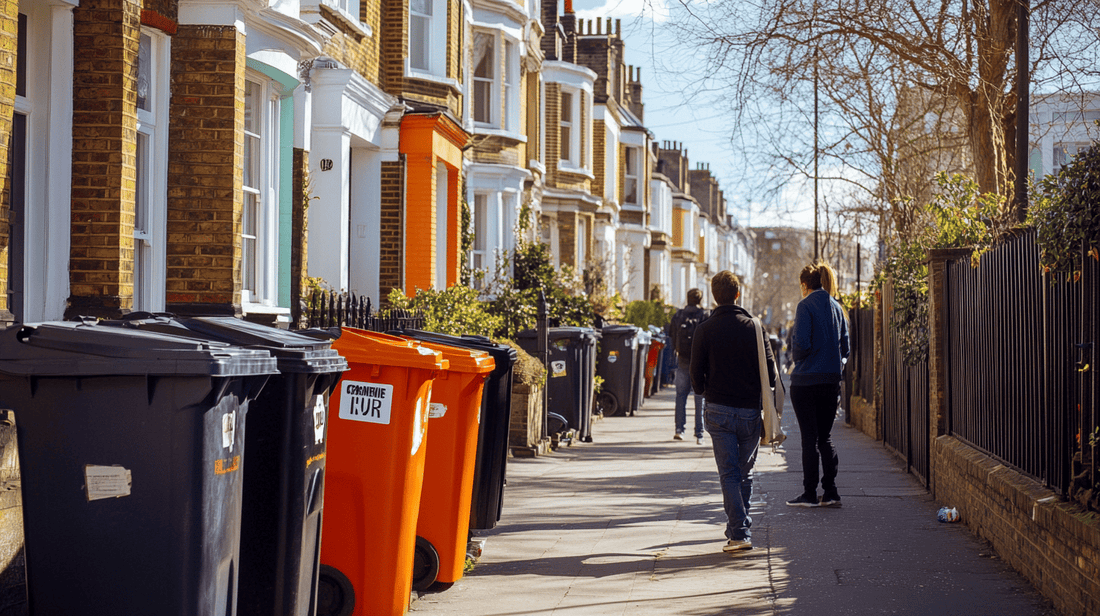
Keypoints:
pixel 695 297
pixel 726 287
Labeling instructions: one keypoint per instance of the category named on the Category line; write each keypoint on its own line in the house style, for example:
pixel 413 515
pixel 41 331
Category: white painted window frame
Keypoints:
pixel 436 29
pixel 636 176
pixel 265 262
pixel 152 125
pixel 570 159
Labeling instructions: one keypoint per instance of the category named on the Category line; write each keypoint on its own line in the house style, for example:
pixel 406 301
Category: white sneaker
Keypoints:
pixel 679 436
pixel 698 440
pixel 736 545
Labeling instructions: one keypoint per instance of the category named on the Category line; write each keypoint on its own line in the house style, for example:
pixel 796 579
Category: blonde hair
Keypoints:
pixel 819 276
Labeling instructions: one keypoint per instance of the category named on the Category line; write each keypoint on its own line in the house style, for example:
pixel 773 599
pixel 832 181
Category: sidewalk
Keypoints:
pixel 632 524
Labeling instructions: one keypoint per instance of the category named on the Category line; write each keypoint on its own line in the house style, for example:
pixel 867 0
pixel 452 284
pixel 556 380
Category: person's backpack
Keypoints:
pixel 686 333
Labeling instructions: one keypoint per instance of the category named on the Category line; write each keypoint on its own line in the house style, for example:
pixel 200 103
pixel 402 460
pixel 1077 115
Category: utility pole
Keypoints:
pixel 817 251
pixel 1023 13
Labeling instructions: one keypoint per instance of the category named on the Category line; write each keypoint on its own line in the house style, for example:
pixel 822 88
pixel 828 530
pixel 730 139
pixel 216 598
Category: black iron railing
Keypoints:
pixel 905 426
pixel 332 309
pixel 1013 385
pixel 861 361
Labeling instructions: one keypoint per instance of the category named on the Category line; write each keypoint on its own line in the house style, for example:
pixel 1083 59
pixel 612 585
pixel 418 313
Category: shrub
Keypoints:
pixel 646 313
pixel 455 310
pixel 1065 211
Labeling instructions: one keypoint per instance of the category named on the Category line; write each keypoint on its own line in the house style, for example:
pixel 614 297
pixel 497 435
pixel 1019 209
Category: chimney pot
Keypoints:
pixel 568 6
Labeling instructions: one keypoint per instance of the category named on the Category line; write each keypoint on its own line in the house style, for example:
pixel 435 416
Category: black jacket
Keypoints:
pixel 676 325
pixel 724 360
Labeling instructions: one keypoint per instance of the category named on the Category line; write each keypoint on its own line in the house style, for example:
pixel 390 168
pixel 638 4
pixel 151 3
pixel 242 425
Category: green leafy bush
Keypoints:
pixel 958 216
pixel 646 313
pixel 1065 211
pixel 455 310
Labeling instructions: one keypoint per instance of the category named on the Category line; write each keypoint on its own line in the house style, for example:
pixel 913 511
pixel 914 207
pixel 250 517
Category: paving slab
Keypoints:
pixel 632 524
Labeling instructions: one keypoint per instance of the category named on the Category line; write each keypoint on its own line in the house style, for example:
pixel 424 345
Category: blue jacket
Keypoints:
pixel 820 340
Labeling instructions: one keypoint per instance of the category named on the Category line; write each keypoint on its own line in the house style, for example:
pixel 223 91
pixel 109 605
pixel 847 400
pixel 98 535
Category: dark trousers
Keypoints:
pixel 815 407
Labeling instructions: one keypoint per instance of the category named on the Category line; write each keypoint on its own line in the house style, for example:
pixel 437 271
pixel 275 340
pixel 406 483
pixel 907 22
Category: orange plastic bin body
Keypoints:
pixel 455 414
pixel 651 365
pixel 375 470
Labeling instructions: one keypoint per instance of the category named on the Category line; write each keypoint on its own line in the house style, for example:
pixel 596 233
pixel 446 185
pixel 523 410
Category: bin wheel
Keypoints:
pixel 335 594
pixel 555 423
pixel 425 564
pixel 608 404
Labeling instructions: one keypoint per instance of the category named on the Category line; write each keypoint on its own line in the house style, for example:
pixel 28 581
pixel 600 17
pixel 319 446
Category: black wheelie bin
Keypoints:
pixel 132 450
pixel 570 374
pixel 616 365
pixel 285 445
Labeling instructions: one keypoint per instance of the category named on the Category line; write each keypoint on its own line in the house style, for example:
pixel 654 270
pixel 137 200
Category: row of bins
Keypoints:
pixel 141 480
pixel 628 362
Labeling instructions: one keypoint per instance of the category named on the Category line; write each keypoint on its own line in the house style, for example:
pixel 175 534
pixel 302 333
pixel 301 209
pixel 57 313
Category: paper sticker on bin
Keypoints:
pixel 443 525
pixel 131 494
pixel 375 473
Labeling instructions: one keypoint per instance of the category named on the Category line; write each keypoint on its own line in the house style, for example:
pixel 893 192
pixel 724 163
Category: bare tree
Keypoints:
pixel 910 87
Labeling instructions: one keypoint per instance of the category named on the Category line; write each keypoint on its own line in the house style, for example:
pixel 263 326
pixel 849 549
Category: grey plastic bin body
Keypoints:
pixel 285 445
pixel 570 375
pixel 638 397
pixel 616 365
pixel 131 449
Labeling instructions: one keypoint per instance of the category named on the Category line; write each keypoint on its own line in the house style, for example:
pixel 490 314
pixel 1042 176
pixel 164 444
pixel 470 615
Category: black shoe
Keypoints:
pixel 804 500
pixel 830 499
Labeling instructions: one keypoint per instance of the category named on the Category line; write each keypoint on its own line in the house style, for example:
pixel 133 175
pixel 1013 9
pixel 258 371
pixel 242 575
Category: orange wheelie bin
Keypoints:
pixel 443 528
pixel 375 467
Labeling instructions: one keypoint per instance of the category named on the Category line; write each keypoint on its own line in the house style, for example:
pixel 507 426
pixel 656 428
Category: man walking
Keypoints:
pixel 725 370
pixel 682 330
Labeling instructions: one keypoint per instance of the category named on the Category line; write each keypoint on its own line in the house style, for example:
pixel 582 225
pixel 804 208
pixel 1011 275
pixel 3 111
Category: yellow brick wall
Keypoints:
pixel 104 148
pixel 206 150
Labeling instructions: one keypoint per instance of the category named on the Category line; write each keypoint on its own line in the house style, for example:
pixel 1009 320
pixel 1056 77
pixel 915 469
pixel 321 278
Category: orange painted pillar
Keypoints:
pixel 428 141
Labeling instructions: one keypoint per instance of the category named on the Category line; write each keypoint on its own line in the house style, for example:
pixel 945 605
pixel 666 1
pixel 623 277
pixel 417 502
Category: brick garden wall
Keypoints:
pixel 1055 545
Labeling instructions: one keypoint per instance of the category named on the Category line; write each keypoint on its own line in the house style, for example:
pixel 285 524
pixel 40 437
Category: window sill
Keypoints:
pixel 447 81
pixel 344 19
pixel 567 167
pixel 485 129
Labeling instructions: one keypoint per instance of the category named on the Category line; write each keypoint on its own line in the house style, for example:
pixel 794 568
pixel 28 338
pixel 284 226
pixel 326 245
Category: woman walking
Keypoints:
pixel 820 341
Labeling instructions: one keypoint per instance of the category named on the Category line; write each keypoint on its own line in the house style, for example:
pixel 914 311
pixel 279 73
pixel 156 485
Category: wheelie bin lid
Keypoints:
pixel 503 355
pixel 84 348
pixel 295 353
pixel 558 333
pixel 463 360
pixel 367 347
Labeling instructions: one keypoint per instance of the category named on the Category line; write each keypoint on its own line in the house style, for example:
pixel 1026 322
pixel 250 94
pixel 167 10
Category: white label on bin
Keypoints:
pixel 106 481
pixel 369 402
pixel 557 368
pixel 229 429
pixel 436 410
pixel 318 419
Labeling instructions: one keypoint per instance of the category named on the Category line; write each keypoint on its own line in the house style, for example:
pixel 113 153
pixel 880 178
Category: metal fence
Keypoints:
pixel 862 358
pixel 1013 347
pixel 905 426
pixel 332 309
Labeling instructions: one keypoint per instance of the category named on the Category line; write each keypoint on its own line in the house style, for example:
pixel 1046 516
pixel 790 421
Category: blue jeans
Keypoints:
pixel 735 437
pixel 683 390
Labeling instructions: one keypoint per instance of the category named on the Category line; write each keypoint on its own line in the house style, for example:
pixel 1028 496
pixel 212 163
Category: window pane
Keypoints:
pixel 144 68
pixel 566 106
pixel 481 219
pixel 483 98
pixel 251 161
pixel 419 29
pixel 141 185
pixel 422 7
pixel 483 55
pixel 631 162
pixel 248 242
pixel 566 143
pixel 631 190
pixel 251 106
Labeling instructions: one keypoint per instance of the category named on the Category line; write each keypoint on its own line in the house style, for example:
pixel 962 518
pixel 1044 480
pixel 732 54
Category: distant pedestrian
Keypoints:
pixel 682 330
pixel 725 369
pixel 820 348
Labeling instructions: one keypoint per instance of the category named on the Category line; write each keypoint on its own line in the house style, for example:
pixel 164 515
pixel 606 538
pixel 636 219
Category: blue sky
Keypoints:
pixel 676 111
